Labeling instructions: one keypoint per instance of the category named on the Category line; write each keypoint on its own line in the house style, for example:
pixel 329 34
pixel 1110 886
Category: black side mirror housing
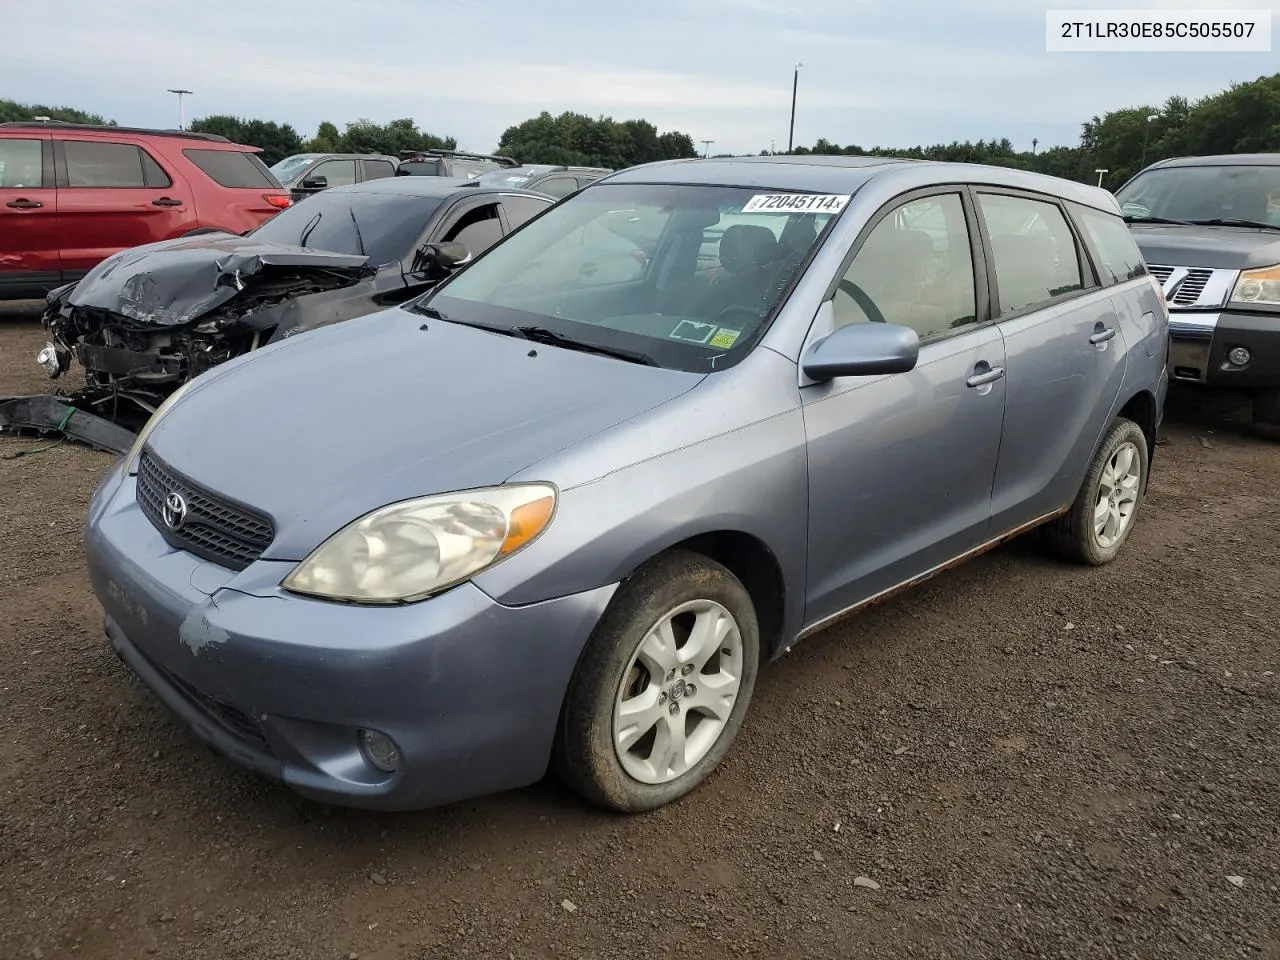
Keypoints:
pixel 315 183
pixel 862 350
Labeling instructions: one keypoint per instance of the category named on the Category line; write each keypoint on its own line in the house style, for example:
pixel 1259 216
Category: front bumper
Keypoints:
pixel 1200 343
pixel 469 690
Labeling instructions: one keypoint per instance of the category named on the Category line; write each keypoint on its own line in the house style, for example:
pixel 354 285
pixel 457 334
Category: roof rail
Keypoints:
pixel 461 155
pixel 68 125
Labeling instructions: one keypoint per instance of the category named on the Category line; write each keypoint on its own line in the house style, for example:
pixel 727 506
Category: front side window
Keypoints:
pixel 383 227
pixel 21 164
pixel 1034 251
pixel 337 173
pixel 1202 194
pixel 1119 258
pixel 678 274
pixel 915 268
pixel 92 163
pixel 557 186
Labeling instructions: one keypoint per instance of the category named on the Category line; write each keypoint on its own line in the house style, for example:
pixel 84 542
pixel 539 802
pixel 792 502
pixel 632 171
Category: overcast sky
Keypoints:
pixel 876 72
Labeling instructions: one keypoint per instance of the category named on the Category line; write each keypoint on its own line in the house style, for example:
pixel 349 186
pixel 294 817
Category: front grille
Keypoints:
pixel 1190 288
pixel 238 723
pixel 215 528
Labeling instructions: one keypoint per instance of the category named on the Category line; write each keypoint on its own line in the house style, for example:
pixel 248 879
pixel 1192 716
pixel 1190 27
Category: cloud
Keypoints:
pixel 911 71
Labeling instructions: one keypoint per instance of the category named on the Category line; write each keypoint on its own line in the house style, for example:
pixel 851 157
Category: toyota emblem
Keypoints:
pixel 174 512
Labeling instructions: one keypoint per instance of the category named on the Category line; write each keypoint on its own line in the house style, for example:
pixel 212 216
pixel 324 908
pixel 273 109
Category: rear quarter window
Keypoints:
pixel 233 168
pixel 1119 258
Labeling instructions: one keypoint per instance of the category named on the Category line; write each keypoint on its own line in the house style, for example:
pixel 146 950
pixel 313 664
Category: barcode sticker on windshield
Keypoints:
pixel 796 203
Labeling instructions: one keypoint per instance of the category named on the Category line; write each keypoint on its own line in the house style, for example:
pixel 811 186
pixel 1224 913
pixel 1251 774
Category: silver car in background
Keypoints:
pixel 548 516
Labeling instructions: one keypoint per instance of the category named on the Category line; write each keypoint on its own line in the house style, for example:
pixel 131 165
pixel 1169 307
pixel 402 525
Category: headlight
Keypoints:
pixel 131 458
pixel 1258 287
pixel 411 550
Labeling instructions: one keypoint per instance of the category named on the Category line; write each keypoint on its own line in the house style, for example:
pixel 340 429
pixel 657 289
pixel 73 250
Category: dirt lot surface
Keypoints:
pixel 1027 759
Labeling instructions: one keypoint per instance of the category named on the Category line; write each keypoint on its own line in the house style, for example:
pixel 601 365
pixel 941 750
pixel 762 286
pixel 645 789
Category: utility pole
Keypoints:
pixel 1146 135
pixel 706 147
pixel 773 147
pixel 182 113
pixel 795 83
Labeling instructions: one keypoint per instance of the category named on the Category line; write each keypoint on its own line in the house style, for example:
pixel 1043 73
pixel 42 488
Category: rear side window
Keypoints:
pixel 1119 258
pixel 1034 250
pixel 377 169
pixel 21 164
pixel 93 163
pixel 233 168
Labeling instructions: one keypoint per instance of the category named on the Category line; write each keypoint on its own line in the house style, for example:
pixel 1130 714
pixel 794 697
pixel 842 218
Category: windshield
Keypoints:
pixel 290 167
pixel 383 227
pixel 1235 192
pixel 678 274
pixel 513 178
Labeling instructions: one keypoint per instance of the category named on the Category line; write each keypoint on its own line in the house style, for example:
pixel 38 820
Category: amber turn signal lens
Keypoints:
pixel 527 522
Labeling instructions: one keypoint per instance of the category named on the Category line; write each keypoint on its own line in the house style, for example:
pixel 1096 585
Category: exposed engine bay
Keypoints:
pixel 147 320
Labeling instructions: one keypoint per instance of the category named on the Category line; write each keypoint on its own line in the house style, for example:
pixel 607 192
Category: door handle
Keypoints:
pixel 982 379
pixel 166 202
pixel 22 203
pixel 1102 336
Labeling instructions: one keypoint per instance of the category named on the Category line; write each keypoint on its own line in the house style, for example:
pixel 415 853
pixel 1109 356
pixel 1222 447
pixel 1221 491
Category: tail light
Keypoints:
pixel 278 200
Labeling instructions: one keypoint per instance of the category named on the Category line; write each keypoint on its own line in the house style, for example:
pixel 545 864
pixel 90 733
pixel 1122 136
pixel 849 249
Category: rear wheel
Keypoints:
pixel 662 688
pixel 1106 508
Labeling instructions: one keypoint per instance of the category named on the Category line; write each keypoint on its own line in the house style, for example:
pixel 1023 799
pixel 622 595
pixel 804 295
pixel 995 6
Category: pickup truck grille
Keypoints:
pixel 213 528
pixel 1194 286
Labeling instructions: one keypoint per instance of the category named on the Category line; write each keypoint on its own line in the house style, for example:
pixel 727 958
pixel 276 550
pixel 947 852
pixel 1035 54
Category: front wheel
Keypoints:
pixel 1103 514
pixel 662 688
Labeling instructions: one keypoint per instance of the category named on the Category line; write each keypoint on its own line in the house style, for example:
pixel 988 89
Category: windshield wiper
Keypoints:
pixel 1181 223
pixel 543 335
pixel 1228 222
pixel 356 224
pixel 435 313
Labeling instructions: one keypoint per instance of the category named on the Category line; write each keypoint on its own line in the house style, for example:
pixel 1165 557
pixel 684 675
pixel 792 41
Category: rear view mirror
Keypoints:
pixel 315 183
pixel 862 350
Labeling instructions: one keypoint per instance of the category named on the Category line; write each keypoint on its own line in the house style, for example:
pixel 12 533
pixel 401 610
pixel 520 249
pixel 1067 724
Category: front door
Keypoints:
pixel 901 466
pixel 30 239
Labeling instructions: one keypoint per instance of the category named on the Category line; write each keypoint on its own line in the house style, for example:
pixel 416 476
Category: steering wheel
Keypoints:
pixel 862 300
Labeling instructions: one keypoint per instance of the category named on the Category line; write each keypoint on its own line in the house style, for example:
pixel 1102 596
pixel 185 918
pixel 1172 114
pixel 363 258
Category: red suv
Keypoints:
pixel 73 194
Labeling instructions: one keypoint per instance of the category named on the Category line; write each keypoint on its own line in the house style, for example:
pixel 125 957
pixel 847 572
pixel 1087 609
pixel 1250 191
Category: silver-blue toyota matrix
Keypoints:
pixel 556 512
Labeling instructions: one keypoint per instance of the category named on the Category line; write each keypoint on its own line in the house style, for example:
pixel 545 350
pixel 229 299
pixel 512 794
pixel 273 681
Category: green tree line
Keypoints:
pixel 1243 118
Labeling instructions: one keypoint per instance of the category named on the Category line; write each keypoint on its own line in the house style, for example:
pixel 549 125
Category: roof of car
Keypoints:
pixel 1223 160
pixel 425 187
pixel 109 129
pixel 845 174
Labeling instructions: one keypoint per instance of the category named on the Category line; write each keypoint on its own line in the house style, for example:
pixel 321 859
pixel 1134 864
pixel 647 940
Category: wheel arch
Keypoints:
pixel 1141 409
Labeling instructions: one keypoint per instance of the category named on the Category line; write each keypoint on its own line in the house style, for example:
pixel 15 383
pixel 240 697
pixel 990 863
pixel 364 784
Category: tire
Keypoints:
pixel 1266 413
pixel 1074 535
pixel 612 670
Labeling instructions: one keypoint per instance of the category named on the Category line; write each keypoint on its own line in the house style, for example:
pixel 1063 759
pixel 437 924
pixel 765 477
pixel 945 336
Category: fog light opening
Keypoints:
pixel 380 751
pixel 1239 356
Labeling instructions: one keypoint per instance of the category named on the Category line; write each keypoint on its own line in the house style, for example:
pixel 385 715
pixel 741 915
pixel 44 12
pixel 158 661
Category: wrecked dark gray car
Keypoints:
pixel 149 319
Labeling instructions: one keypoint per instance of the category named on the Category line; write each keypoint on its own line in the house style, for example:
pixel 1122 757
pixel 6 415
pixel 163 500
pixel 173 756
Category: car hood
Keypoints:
pixel 175 282
pixel 321 428
pixel 1221 248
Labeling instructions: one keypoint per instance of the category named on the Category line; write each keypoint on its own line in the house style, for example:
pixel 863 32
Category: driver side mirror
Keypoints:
pixel 448 255
pixel 862 350
pixel 315 183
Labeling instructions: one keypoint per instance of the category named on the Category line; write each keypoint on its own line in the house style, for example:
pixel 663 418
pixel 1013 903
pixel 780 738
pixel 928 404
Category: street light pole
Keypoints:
pixel 1146 135
pixel 1100 173
pixel 706 147
pixel 795 83
pixel 182 113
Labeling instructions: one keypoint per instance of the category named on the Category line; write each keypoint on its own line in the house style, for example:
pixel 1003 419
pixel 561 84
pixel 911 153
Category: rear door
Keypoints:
pixel 1065 350
pixel 113 195
pixel 30 234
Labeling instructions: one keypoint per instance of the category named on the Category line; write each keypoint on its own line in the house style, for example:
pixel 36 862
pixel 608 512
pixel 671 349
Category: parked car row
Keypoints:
pixel 557 510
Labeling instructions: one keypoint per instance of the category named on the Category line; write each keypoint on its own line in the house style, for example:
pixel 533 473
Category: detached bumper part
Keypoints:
pixel 44 415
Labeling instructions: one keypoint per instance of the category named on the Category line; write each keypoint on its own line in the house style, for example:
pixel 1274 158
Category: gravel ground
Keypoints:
pixel 1019 759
